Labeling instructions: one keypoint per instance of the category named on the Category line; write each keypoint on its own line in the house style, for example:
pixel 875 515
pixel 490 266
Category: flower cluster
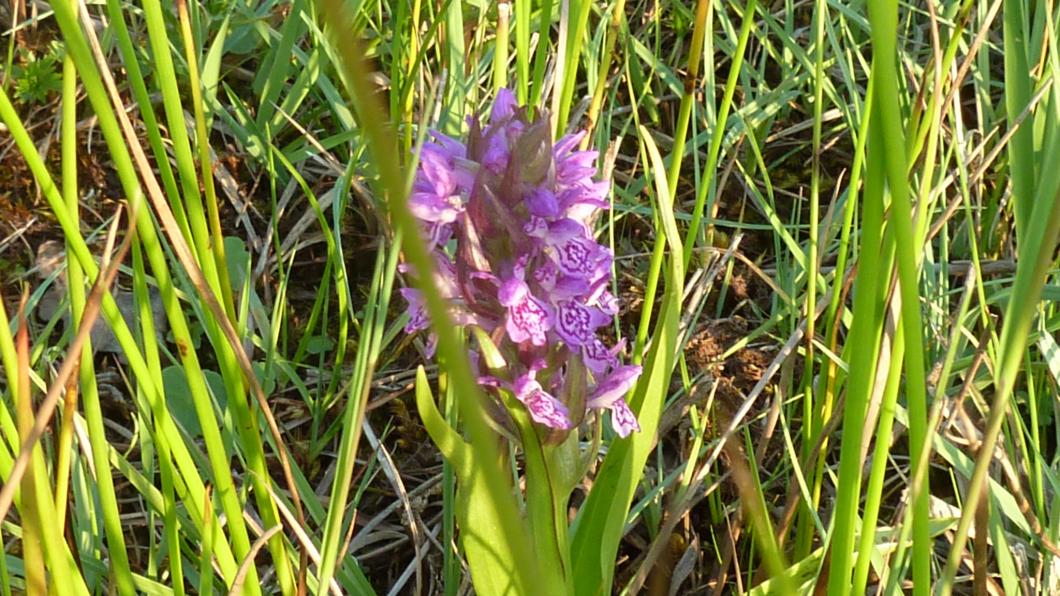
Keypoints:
pixel 508 218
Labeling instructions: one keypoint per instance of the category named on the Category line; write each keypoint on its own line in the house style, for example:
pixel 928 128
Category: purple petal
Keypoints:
pixel 464 174
pixel 450 146
pixel 567 143
pixel 512 292
pixel 582 201
pixel 613 387
pixel 443 173
pixel 568 288
pixel 435 164
pixel 418 319
pixel 580 257
pixel 503 106
pixel 538 365
pixel 547 410
pixel 445 275
pixel 524 384
pixel 597 357
pixel 579 166
pixel 542 203
pixel 589 197
pixel 623 420
pixel 544 408
pixel 576 323
pixel 513 129
pixel 567 228
pixel 433 208
pixel 529 319
pixel 576 253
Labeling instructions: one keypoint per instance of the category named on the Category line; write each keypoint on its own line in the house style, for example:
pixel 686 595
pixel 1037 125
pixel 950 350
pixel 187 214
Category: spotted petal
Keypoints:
pixel 418 319
pixel 543 407
pixel 575 253
pixel 529 319
pixel 623 420
pixel 599 358
pixel 576 323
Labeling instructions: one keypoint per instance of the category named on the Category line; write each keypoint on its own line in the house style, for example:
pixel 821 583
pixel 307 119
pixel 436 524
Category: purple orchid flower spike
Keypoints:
pixel 509 215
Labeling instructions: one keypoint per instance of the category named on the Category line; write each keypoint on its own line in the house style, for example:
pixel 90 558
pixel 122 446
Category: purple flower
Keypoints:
pixel 599 358
pixel 541 203
pixel 528 317
pixel 615 385
pixel 418 319
pixel 576 253
pixel 622 419
pixel 509 215
pixel 576 323
pixel 544 408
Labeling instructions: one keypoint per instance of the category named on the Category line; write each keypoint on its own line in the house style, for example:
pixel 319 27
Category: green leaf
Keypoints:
pixel 492 560
pixel 179 398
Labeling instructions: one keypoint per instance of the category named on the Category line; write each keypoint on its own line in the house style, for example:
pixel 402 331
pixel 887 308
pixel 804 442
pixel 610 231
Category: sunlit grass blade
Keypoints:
pixel 1017 95
pixel 123 162
pixel 863 341
pixel 75 277
pixel 371 335
pixel 32 528
pixel 884 19
pixel 1032 271
pixel 717 135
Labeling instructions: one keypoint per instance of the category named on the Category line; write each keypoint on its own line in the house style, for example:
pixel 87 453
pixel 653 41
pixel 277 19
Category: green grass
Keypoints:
pixel 834 226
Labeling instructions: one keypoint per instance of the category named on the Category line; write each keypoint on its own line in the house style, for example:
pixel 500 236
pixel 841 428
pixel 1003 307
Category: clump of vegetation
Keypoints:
pixel 36 79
